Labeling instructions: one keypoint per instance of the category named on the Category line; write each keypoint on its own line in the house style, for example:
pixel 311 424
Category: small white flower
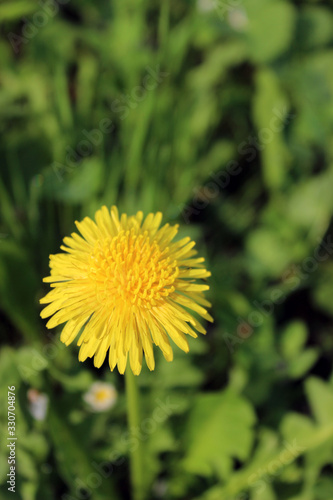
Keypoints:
pixel 238 19
pixel 101 396
pixel 206 5
pixel 160 488
pixel 38 404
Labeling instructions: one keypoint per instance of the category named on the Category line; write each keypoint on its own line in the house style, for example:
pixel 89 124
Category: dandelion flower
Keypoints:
pixel 124 285
pixel 101 396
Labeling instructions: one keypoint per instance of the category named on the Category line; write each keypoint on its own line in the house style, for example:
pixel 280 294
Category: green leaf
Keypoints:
pixel 297 427
pixel 293 339
pixel 315 26
pixel 267 40
pixel 16 10
pixel 270 110
pixel 257 470
pixel 270 254
pixel 323 292
pixel 73 462
pixel 219 429
pixel 264 492
pixel 9 374
pixel 73 184
pixel 216 65
pixel 36 444
pixel 30 363
pixel 323 488
pixel 75 381
pixel 169 373
pixel 303 362
pixel 320 396
pixel 26 464
pixel 29 490
pixel 310 205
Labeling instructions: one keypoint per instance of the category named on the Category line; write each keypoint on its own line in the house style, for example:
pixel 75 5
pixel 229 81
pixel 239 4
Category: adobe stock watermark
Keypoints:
pixel 292 278
pixel 48 9
pixel 103 470
pixel 258 481
pixel 93 138
pixel 249 149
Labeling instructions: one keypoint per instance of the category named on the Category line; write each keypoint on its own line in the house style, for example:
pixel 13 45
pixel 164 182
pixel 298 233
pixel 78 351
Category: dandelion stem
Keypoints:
pixel 136 455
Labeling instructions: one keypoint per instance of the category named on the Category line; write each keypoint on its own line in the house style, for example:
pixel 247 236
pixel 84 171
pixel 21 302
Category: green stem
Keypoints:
pixel 136 455
pixel 163 27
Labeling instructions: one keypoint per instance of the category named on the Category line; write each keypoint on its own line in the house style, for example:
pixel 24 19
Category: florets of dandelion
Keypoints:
pixel 125 285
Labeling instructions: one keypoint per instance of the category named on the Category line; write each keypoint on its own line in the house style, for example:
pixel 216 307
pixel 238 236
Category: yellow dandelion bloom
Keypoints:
pixel 125 285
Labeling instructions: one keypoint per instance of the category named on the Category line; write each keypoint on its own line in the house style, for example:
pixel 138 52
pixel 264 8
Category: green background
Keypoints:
pixel 219 114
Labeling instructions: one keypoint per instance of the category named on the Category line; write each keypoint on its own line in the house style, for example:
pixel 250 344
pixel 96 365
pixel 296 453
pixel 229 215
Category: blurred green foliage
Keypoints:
pixel 220 114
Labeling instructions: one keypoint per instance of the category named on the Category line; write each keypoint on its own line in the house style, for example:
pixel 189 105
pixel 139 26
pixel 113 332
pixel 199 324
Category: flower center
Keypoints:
pixel 101 395
pixel 131 268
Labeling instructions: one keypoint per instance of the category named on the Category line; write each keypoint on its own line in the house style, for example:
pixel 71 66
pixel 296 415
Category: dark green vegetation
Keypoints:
pixel 222 118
